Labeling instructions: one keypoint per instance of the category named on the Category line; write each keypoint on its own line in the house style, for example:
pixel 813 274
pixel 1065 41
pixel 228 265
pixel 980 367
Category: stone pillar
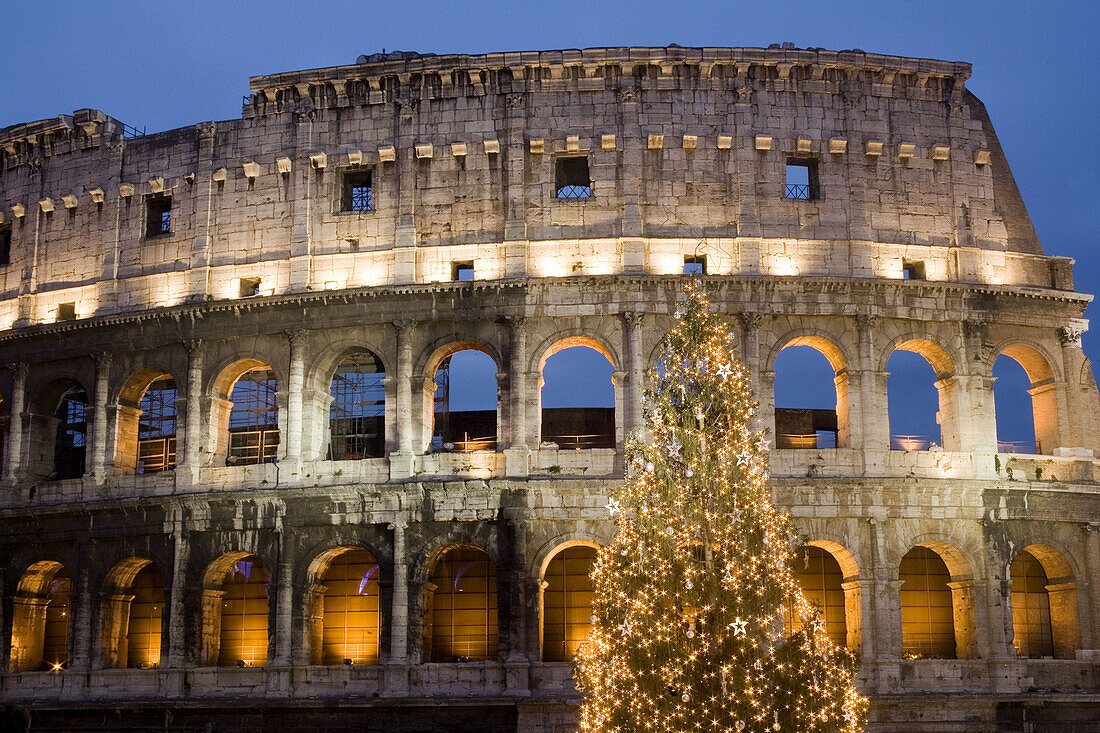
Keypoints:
pixel 750 351
pixel 1077 413
pixel 81 632
pixel 14 453
pixel 517 665
pixel 977 421
pixel 399 609
pixel 114 622
pixel 1090 602
pixel 176 608
pixel 1064 625
pixel 98 461
pixel 853 614
pixel 193 444
pixel 635 364
pixel 284 594
pixel 873 408
pixel 518 453
pixel 849 427
pixel 295 386
pixel 966 623
pixel 28 629
pixel 401 460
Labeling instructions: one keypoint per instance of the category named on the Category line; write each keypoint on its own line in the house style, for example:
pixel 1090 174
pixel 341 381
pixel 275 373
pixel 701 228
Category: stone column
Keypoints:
pixel 399 611
pixel 517 336
pixel 853 613
pixel 295 386
pixel 192 427
pixel 635 364
pixel 114 621
pixel 750 348
pixel 1065 628
pixel 977 418
pixel 1090 603
pixel 17 408
pixel 1077 414
pixel 401 460
pixel 176 609
pixel 99 417
pixel 873 409
pixel 284 594
pixel 517 664
pixel 966 621
pixel 81 632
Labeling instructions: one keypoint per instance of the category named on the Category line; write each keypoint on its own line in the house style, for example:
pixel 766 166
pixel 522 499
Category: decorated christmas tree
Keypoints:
pixel 699 620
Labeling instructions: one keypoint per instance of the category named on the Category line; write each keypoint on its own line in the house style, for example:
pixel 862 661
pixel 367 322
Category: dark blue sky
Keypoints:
pixel 165 65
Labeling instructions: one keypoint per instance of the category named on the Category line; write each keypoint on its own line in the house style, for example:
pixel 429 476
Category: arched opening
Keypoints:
pixel 577 395
pixel 253 417
pixel 461 607
pixel 1026 402
pixel 146 423
pixel 937 603
pixel 346 618
pixel 1044 604
pixel 42 611
pixel 921 392
pixel 132 614
pixel 464 402
pixel 357 415
pixel 567 597
pixel 822 582
pixel 235 612
pixel 71 443
pixel 811 395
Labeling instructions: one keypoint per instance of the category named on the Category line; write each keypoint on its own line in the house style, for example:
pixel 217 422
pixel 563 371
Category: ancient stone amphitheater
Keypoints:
pixel 236 496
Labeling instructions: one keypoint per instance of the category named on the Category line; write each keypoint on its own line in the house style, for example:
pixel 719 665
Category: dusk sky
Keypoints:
pixel 164 65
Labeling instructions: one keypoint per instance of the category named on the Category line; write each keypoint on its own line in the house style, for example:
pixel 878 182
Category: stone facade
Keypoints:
pixel 264 263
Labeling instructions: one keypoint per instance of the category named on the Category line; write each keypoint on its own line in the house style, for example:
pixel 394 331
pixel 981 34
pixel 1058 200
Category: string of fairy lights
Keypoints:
pixel 694 597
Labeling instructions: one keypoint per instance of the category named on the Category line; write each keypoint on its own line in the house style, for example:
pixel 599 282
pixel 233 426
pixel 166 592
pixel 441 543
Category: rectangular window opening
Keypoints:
pixel 249 286
pixel 571 178
pixel 66 311
pixel 912 270
pixel 158 216
pixel 5 246
pixel 358 193
pixel 462 271
pixel 801 180
pixel 696 265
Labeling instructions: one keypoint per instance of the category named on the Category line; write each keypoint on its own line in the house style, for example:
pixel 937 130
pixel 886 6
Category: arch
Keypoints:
pixel 146 422
pixel 797 426
pixel 345 613
pixel 560 342
pixel 58 434
pixel 577 425
pixel 461 607
pixel 132 619
pixel 357 411
pixel 245 413
pixel 565 600
pixel 909 428
pixel 1044 604
pixel 829 579
pixel 1043 391
pixel 235 611
pixel 937 602
pixel 458 430
pixel 41 614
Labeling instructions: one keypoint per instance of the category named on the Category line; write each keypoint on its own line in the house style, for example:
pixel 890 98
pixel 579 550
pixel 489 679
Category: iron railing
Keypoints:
pixel 1016 446
pixel 798 191
pixel 574 192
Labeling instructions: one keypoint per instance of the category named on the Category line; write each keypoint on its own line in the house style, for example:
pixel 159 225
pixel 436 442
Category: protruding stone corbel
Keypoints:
pixel 573 143
pixel 319 161
pixel 387 154
pixel 873 148
pixel 538 147
pixel 283 164
pixel 355 157
pixel 655 142
pixel 251 169
pixel 981 157
pixel 46 205
pixel 424 151
pixel 762 143
pixel 219 175
pixel 156 185
pixel 906 150
pixel 607 142
pixel 97 195
pixel 804 145
pixel 18 210
pixel 941 152
pixel 125 190
pixel 690 142
pixel 492 147
pixel 725 142
pixel 459 150
pixel 838 146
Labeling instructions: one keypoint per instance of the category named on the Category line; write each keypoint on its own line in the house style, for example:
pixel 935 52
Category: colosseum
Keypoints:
pixel 236 494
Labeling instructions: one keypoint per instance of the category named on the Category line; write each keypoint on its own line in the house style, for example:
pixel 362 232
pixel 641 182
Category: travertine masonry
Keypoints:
pixel 913 237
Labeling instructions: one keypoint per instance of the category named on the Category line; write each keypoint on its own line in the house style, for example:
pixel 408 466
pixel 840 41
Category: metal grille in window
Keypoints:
pixel 159 216
pixel 157 427
pixel 254 419
pixel 360 198
pixel 801 181
pixel 72 435
pixel 358 410
pixel 571 179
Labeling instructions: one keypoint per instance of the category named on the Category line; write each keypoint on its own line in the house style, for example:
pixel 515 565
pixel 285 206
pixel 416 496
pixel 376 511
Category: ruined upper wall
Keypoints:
pixel 687 150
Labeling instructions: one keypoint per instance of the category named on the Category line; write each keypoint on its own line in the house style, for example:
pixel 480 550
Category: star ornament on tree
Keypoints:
pixel 740 628
pixel 613 506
